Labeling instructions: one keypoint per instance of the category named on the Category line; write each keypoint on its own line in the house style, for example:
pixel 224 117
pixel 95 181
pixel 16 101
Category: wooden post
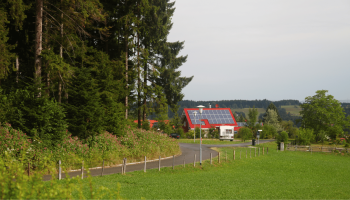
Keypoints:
pixel 82 170
pixel 125 165
pixel 103 165
pixel 218 157
pixel 144 169
pixel 173 161
pixel 184 161
pixel 28 168
pixel 234 154
pixel 211 156
pixel 194 161
pixel 159 164
pixel 59 170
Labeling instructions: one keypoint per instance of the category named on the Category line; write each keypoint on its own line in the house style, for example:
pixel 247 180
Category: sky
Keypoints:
pixel 264 49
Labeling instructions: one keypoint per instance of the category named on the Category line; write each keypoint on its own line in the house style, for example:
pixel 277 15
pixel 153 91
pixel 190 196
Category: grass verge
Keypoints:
pixel 210 141
pixel 277 175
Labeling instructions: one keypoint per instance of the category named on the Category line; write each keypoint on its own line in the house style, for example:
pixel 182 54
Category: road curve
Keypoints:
pixel 188 153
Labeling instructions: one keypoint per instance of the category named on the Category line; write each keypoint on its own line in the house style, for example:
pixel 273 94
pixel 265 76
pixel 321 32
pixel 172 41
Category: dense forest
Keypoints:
pixel 87 65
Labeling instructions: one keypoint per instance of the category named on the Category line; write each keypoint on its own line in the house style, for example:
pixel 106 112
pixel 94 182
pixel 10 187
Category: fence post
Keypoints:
pixel 103 166
pixel 144 169
pixel 194 161
pixel 173 160
pixel 125 165
pixel 184 161
pixel 82 170
pixel 159 164
pixel 234 154
pixel 211 156
pixel 28 168
pixel 219 157
pixel 254 152
pixel 59 170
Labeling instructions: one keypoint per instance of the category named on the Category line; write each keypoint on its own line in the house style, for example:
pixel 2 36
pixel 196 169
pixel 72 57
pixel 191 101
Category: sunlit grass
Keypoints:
pixel 210 141
pixel 277 175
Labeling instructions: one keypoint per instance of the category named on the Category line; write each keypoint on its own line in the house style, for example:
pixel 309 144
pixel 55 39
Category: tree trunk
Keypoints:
pixel 138 84
pixel 126 77
pixel 61 55
pixel 17 69
pixel 38 42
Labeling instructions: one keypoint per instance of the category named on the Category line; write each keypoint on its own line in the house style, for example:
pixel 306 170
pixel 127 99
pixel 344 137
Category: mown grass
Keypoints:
pixel 210 141
pixel 293 109
pixel 278 175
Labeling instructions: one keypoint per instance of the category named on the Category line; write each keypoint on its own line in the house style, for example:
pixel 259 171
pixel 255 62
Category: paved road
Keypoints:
pixel 188 152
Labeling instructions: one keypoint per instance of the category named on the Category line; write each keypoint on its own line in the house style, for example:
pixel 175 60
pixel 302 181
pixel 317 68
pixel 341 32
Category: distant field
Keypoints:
pixel 246 110
pixel 294 110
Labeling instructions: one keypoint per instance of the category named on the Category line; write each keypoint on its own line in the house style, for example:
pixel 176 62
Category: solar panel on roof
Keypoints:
pixel 213 116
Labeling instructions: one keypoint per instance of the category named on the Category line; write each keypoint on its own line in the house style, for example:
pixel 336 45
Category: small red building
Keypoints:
pixel 211 118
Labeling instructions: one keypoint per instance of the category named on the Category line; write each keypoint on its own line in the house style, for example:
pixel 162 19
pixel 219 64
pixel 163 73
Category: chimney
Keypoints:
pixel 209 105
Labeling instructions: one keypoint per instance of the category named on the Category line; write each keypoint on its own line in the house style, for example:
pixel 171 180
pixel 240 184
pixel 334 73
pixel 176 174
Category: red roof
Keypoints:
pixel 151 122
pixel 207 120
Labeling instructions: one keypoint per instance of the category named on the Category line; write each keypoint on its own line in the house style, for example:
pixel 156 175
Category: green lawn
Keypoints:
pixel 211 141
pixel 278 175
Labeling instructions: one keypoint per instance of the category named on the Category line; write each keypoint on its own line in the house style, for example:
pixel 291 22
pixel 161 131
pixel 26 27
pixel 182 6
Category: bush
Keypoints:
pixel 37 117
pixel 268 131
pixel 305 136
pixel 282 137
pixel 245 133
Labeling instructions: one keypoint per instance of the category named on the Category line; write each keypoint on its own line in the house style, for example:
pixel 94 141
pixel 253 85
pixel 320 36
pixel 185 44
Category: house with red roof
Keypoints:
pixel 210 118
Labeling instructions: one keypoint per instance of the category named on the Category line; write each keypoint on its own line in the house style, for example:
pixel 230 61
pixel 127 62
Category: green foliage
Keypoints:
pixel 271 118
pixel 181 132
pixel 305 136
pixel 213 133
pixel 282 137
pixel 84 110
pixel 289 127
pixel 5 56
pixel 268 132
pixel 245 133
pixel 252 115
pixel 323 112
pixel 274 108
pixel 40 118
pixel 145 125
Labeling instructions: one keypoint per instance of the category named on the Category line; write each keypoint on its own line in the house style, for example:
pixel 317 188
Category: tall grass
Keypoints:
pixel 134 145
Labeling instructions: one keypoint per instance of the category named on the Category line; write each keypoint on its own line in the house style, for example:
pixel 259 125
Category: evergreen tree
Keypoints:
pixel 272 107
pixel 84 110
pixel 272 119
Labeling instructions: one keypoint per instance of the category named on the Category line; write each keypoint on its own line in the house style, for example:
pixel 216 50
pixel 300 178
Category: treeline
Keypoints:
pixel 87 65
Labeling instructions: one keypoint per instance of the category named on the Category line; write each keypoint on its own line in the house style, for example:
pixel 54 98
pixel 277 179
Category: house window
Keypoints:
pixel 184 123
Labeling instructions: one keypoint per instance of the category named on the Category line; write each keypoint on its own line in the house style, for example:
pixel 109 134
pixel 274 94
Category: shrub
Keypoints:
pixel 268 131
pixel 245 133
pixel 305 136
pixel 282 137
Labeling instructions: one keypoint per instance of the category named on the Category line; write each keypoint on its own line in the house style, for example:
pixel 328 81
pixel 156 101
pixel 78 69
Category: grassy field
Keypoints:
pixel 278 175
pixel 294 110
pixel 211 141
